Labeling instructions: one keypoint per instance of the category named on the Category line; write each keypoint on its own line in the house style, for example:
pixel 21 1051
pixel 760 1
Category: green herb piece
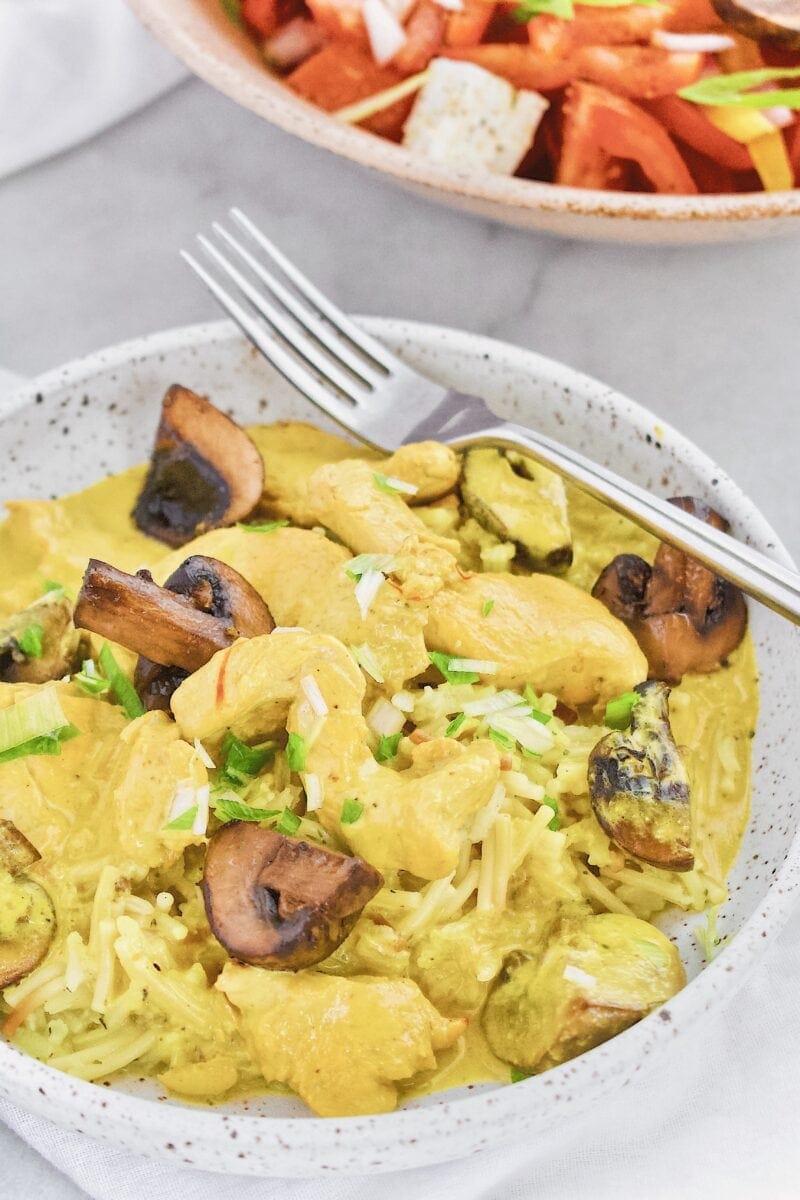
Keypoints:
pixel 619 711
pixel 565 9
pixel 121 686
pixel 90 680
pixel 517 1075
pixel 387 746
pixel 351 811
pixel 442 663
pixel 228 808
pixel 542 717
pixel 35 725
pixel 383 483
pixel 488 605
pixel 735 90
pixel 556 821
pixel 51 586
pixel 32 641
pixel 708 937
pixel 184 820
pixel 241 762
pixel 296 751
pixel 289 822
pixel 503 740
pixel 47 743
pixel 455 725
pixel 362 563
pixel 526 753
pixel 264 527
pixel 233 12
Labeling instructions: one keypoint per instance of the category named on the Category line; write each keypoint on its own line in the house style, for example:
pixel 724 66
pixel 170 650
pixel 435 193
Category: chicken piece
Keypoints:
pixel 342 1044
pixel 345 498
pixel 597 977
pixel 411 820
pixel 432 468
pixel 540 630
pixel 301 576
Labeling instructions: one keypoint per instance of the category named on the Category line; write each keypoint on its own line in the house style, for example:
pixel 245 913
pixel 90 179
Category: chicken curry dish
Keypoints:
pixel 350 776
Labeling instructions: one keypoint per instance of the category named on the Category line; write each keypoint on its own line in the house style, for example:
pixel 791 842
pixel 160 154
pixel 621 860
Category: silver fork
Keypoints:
pixel 368 390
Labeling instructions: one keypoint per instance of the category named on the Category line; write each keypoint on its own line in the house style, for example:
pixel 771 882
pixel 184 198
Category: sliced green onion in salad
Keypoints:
pixel 351 811
pixel 241 762
pixel 736 90
pixel 365 657
pixel 620 710
pixel 228 807
pixel 90 680
pixel 362 564
pixel 124 691
pixel 555 823
pixel 393 486
pixel 461 670
pixel 455 724
pixel 35 725
pixel 184 820
pixel 288 823
pixel 296 751
pixel 32 641
pixel 353 114
pixel 387 747
pixel 565 9
pixel 263 527
pixel 487 607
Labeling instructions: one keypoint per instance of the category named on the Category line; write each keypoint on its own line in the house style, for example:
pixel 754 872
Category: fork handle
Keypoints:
pixel 760 577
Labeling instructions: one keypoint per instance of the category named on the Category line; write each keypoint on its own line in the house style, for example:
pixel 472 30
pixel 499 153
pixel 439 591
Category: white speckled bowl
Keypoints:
pixel 98 415
pixel 199 33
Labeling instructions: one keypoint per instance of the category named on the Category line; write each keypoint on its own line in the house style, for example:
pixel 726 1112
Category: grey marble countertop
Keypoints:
pixel 709 338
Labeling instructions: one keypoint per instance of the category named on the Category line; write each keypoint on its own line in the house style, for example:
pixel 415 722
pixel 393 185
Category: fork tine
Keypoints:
pixel 284 363
pixel 363 341
pixel 298 342
pixel 334 344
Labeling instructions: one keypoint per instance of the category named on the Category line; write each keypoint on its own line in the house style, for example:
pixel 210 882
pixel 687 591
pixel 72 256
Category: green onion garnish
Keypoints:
pixel 518 1075
pixel 442 663
pixel 455 725
pixel 232 10
pixel 296 751
pixel 241 762
pixel 32 641
pixel 35 725
pixel 184 820
pixel 121 686
pixel 351 811
pixel 503 740
pixel 289 822
pixel 393 486
pixel 620 711
pixel 734 91
pixel 488 605
pixel 51 585
pixel 227 808
pixel 363 563
pixel 549 802
pixel 529 9
pixel 387 746
pixel 90 680
pixel 264 527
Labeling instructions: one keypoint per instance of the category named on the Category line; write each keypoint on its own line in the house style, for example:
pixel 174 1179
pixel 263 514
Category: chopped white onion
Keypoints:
pixel 692 43
pixel 451 5
pixel 297 40
pixel 288 629
pixel 371 562
pixel 400 8
pixel 203 755
pixel 200 824
pixel 386 34
pixel 501 700
pixel 314 696
pixel 779 116
pixel 404 701
pixel 383 718
pixel 481 666
pixel 574 974
pixel 164 901
pixel 365 657
pixel 312 785
pixel 400 485
pixel 367 589
pixel 182 801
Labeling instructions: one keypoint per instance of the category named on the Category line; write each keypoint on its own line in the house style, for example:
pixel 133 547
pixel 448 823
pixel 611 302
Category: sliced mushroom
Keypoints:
pixel 215 588
pixel 60 642
pixel 763 20
pixel 685 618
pixel 27 920
pixel 519 501
pixel 205 472
pixel 639 787
pixel 278 902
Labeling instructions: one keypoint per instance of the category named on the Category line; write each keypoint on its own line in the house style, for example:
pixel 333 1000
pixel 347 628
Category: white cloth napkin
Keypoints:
pixel 69 68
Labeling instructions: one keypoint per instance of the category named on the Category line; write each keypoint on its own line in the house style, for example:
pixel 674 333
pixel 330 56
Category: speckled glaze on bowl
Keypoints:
pixel 199 33
pixel 98 415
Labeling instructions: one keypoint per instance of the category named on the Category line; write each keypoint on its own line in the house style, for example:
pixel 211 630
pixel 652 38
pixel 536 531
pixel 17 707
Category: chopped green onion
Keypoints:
pixel 32 641
pixel 121 686
pixel 442 663
pixel 364 563
pixel 47 743
pixel 241 762
pixel 351 811
pixel 503 740
pixel 549 802
pixel 517 1075
pixel 90 680
pixel 542 717
pixel 392 486
pixel 708 937
pixel 289 822
pixel 734 91
pixel 232 11
pixel 50 585
pixel 264 527
pixel 488 605
pixel 620 711
pixel 531 698
pixel 387 746
pixel 564 9
pixel 35 725
pixel 184 820
pixel 296 750
pixel 455 725
pixel 365 657
pixel 230 808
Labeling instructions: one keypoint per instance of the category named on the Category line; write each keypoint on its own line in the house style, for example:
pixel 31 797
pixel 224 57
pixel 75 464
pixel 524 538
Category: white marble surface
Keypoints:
pixel 88 245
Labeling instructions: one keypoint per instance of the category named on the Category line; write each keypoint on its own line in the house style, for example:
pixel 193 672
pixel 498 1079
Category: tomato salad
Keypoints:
pixel 667 96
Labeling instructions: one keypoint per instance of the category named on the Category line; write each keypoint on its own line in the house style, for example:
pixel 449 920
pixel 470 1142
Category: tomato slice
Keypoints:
pixel 466 28
pixel 600 127
pixel 519 64
pixel 424 35
pixel 342 73
pixel 261 16
pixel 638 72
pixel 690 124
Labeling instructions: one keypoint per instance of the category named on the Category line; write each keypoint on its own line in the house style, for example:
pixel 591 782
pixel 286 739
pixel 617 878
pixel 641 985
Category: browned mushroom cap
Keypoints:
pixel 685 618
pixel 24 946
pixel 205 472
pixel 763 20
pixel 211 587
pixel 278 902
